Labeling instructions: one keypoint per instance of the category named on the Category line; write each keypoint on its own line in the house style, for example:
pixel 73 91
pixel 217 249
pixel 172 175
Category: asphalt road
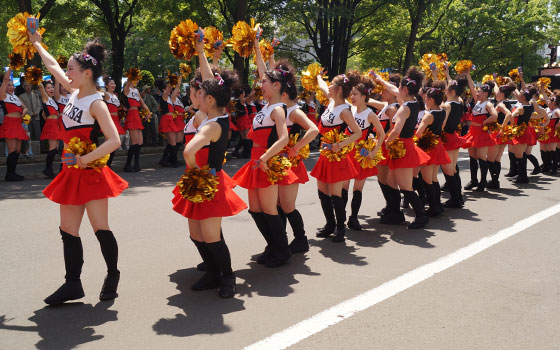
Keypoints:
pixel 506 297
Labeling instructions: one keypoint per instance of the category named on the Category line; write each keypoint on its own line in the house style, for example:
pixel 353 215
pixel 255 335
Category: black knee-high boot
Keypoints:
pixel 299 244
pixel 545 167
pixel 328 211
pixel 421 219
pixel 437 192
pixel 211 278
pixel 385 193
pixel 130 153
pixel 260 221
pixel 73 261
pixel 340 213
pixel 353 222
pixel 512 165
pixel 48 171
pixel 137 158
pixel 238 146
pixel 455 192
pixel 474 170
pixel 418 186
pixel 282 214
pixel 535 162
pixel 433 210
pixel 345 196
pixel 483 174
pixel 11 164
pixel 553 162
pixel 522 170
pixel 110 251
pixel 280 250
pixel 164 161
pixel 173 156
pixel 394 215
pixel 222 258
pixel 494 168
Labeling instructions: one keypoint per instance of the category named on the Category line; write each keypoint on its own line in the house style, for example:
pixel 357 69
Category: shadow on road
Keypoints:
pixel 202 312
pixel 66 326
pixel 338 252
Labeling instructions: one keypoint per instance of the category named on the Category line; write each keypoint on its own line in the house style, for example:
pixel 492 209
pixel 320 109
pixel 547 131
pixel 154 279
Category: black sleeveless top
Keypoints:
pixel 165 107
pixel 454 117
pixel 526 116
pixel 217 150
pixel 273 137
pixel 439 117
pixel 501 115
pixel 410 123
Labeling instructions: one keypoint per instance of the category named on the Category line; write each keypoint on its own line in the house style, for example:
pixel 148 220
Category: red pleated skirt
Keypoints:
pixel 225 203
pixel 166 123
pixel 11 128
pixel 385 154
pixel 78 186
pixel 244 123
pixel 361 173
pixel 453 141
pixel 552 138
pixel 533 133
pixel 528 138
pixel 50 130
pixel 231 125
pixel 333 172
pixel 179 123
pixel 438 155
pixel 477 137
pixel 117 122
pixel 250 176
pixel 499 141
pixel 413 158
pixel 133 120
pixel 301 173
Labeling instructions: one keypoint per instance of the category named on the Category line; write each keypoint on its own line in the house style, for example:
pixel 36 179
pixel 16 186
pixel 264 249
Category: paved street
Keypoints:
pixel 506 297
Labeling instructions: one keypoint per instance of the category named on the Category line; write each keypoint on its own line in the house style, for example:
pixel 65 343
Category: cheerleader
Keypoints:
pixel 388 105
pixel 61 96
pixel 332 175
pixel 431 127
pixel 270 136
pixel 134 125
pixel 179 124
pixel 50 129
pixel 12 129
pixel 113 104
pixel 168 124
pixel 549 146
pixel 368 121
pixel 503 108
pixel 402 165
pixel 79 189
pixel 481 141
pixel 297 123
pixel 521 116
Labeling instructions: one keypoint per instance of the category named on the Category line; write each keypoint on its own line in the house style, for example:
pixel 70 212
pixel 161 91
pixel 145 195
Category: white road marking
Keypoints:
pixel 348 308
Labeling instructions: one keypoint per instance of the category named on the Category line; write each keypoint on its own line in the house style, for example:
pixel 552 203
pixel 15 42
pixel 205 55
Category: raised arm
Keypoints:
pixel 49 61
pixel 323 86
pixel 393 90
pixel 177 90
pixel 471 85
pixel 261 65
pixel 44 96
pixel 205 69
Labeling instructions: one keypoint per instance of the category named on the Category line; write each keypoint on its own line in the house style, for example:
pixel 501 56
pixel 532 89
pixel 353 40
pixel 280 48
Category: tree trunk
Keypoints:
pixel 117 47
pixel 416 19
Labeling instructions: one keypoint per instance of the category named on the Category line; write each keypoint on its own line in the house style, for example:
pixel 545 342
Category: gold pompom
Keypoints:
pixel 302 154
pixel 211 36
pixel 428 141
pixel 544 82
pixel 309 77
pixel 258 92
pixel 396 149
pixel 133 74
pixel 198 185
pixel 81 148
pixel 487 78
pixel 439 59
pixel 507 133
pixel 145 115
pixel 243 37
pixel 519 130
pixel 557 132
pixel 267 50
pixel 33 75
pixel 379 87
pixel 331 137
pixel 365 161
pixel 122 113
pixel 278 167
pixel 304 95
pixel 17 61
pixel 463 66
pixel 182 40
pixel 26 119
pixel 500 80
pixel 17 35
pixel 543 131
pixel 323 100
pixel 185 70
pixel 62 61
pixel 514 75
pixel 492 127
pixel 173 79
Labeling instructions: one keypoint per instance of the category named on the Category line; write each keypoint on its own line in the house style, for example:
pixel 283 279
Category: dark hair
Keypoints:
pixel 488 87
pixel 413 80
pixel 507 89
pixel 365 86
pixel 284 73
pixel 555 97
pixel 458 85
pixel 436 91
pixel 222 86
pixel 247 89
pixel 395 79
pixel 237 92
pixel 107 79
pixel 196 81
pixel 92 58
pixel 347 82
pixel 530 91
pixel 47 82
